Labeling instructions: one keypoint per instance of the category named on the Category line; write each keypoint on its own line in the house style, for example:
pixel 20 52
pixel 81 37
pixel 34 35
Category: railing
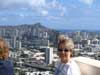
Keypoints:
pixel 88 66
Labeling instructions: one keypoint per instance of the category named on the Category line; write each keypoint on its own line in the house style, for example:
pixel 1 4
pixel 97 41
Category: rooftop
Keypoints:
pixel 88 66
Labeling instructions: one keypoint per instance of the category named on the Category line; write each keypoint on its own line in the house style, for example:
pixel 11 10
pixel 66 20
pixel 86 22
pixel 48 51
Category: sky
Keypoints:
pixel 56 14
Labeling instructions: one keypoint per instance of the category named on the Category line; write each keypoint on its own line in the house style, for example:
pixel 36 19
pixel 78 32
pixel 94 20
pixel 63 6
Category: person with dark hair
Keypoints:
pixel 6 65
pixel 66 65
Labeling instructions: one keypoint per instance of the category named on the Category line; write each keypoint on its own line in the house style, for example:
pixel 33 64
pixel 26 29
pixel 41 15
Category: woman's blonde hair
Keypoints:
pixel 62 39
pixel 3 46
pixel 67 42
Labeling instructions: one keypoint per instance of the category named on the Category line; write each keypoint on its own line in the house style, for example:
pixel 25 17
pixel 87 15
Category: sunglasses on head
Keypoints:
pixel 65 50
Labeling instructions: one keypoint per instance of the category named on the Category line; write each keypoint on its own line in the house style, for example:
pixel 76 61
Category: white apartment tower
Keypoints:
pixel 18 45
pixel 48 55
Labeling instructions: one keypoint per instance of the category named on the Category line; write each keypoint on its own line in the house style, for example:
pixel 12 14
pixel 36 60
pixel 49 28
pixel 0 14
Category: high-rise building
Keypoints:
pixel 14 41
pixel 2 32
pixel 8 41
pixel 86 42
pixel 18 45
pixel 84 35
pixel 95 41
pixel 48 55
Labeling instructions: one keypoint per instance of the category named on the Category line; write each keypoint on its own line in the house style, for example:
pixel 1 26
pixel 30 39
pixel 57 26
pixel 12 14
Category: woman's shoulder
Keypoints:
pixel 2 62
pixel 73 62
pixel 5 60
pixel 74 65
pixel 75 68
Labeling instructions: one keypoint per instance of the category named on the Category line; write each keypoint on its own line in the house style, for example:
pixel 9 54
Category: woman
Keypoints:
pixel 6 65
pixel 66 66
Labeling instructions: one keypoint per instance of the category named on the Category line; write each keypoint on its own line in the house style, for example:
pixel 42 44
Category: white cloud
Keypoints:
pixel 38 3
pixel 21 15
pixel 88 2
pixel 23 8
pixel 17 3
pixel 42 7
pixel 44 12
pixel 56 5
pixel 63 11
pixel 53 18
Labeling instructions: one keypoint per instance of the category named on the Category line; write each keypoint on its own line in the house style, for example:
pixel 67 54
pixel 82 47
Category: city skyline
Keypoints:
pixel 56 14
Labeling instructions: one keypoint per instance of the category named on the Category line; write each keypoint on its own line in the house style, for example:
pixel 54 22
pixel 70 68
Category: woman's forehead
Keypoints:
pixel 62 46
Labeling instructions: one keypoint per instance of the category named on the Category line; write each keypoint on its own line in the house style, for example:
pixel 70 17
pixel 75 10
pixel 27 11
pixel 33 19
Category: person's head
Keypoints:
pixel 65 48
pixel 4 50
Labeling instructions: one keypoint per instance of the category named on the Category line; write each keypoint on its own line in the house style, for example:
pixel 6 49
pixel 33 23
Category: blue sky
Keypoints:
pixel 57 14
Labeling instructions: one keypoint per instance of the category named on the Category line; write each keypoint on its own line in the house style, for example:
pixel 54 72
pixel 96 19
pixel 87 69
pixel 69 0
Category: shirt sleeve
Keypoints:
pixel 75 69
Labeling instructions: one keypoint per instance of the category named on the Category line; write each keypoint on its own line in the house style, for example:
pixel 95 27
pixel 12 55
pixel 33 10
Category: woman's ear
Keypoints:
pixel 71 55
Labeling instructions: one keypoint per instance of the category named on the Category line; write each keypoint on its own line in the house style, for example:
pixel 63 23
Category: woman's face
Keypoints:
pixel 4 51
pixel 64 53
pixel 4 54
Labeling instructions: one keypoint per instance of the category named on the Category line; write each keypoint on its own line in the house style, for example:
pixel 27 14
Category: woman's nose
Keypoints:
pixel 63 51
